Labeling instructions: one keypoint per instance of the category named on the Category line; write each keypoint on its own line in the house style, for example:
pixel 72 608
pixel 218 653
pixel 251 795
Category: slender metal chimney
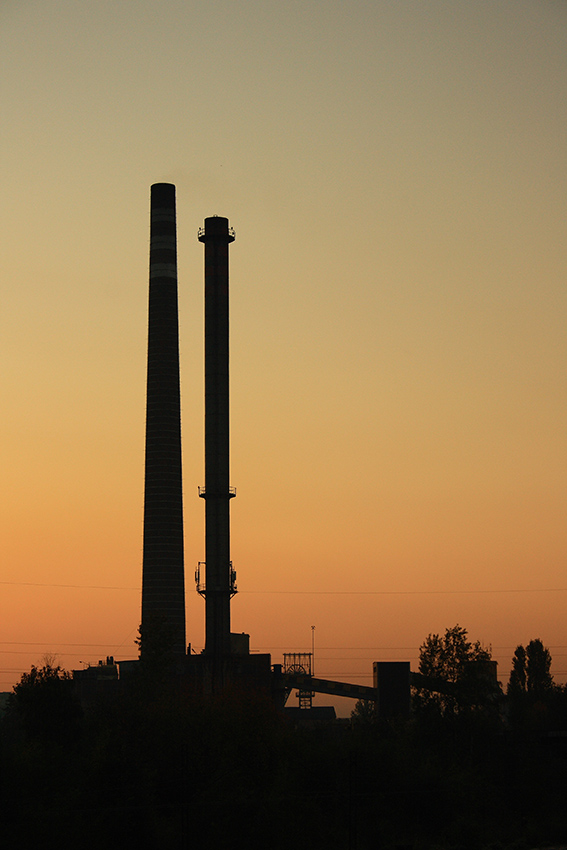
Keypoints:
pixel 219 584
pixel 163 584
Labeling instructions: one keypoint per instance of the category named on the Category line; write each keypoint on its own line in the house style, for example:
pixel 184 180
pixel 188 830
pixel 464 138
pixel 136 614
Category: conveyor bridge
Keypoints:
pixel 303 682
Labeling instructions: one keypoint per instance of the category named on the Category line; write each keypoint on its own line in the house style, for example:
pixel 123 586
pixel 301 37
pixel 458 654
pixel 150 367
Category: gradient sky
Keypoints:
pixel 396 174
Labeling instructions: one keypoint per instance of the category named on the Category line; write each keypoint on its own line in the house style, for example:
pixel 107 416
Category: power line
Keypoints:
pixel 403 592
pixel 413 650
pixel 310 592
pixel 43 643
pixel 381 648
pixel 79 586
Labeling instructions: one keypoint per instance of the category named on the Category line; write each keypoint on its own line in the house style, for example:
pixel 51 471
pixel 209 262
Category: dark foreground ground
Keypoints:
pixel 167 772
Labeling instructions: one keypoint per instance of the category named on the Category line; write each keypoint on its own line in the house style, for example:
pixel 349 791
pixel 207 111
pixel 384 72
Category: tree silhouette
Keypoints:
pixel 517 683
pixel 538 666
pixel 156 641
pixel 460 669
pixel 534 701
pixel 44 702
pixel 531 671
pixel 364 712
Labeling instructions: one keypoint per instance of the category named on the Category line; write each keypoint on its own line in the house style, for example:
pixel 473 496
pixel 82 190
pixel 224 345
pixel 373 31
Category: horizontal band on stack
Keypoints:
pixel 163 270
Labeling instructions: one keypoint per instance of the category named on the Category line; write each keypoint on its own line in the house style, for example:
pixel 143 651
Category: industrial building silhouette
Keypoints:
pixel 226 662
pixel 163 573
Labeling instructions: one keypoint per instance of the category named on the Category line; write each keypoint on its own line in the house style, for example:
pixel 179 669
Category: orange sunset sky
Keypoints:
pixel 396 175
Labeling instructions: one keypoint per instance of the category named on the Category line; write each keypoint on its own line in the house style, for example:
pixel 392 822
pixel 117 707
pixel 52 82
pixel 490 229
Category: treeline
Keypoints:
pixel 531 704
pixel 153 766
